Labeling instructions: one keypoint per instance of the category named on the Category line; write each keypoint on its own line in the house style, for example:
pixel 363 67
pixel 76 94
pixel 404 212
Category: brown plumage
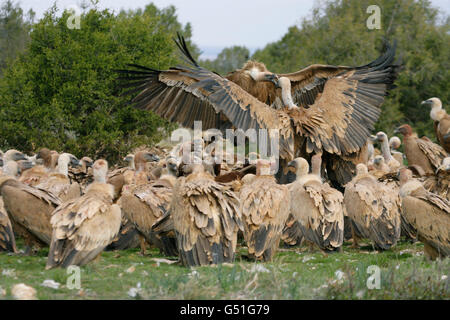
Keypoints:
pixel 428 214
pixel 7 239
pixel 421 152
pixel 58 183
pixel 33 176
pixel 374 209
pixel 440 183
pixel 84 226
pixel 29 210
pixel 441 122
pixel 82 174
pixel 336 106
pixel 206 218
pixel 265 210
pixel 143 204
pixel 317 207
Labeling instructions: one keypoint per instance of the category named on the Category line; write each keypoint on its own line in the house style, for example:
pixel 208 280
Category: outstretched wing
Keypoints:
pixel 185 94
pixel 339 105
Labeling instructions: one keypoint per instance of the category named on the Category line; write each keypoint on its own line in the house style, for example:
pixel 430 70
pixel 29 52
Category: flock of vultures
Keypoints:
pixel 336 181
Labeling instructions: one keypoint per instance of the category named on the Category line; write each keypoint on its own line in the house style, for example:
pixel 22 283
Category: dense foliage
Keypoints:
pixel 62 91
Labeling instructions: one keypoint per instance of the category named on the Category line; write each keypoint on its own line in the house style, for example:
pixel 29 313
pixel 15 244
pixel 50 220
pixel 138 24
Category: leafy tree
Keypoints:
pixel 336 33
pixel 61 93
pixel 228 59
pixel 14 29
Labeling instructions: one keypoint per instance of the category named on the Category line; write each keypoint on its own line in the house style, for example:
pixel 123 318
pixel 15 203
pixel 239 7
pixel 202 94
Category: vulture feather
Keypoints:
pixel 265 210
pixel 441 122
pixel 206 218
pixel 317 207
pixel 374 209
pixel 421 152
pixel 428 214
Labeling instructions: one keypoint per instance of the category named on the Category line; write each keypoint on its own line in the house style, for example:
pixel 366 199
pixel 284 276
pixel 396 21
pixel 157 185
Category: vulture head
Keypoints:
pixel 436 112
pixel 13 155
pixel 433 103
pixel 404 175
pixel 67 159
pixel 172 165
pixel 361 169
pixel 259 72
pixel 142 157
pixel 88 162
pixel 378 161
pixel 100 169
pixel 405 130
pixel 24 165
pixel 395 142
pixel 299 166
pixel 130 160
pixel 381 136
pixel 44 154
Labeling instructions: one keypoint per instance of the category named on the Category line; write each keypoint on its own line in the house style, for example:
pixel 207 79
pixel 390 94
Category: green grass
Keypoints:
pixel 294 274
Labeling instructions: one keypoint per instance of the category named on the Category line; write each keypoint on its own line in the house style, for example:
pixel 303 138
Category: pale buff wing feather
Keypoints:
pixel 375 210
pixel 265 210
pixel 82 228
pixel 434 152
pixel 206 219
pixel 432 222
pixel 7 238
pixel 30 208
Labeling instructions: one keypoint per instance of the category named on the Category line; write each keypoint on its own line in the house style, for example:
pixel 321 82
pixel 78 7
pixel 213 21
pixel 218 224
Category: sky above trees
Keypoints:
pixel 220 24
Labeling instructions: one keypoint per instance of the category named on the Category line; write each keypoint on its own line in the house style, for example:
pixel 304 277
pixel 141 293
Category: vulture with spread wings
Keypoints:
pixel 329 109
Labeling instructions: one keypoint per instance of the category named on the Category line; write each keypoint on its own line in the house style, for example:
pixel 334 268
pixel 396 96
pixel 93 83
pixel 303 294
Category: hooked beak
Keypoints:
pixel 74 162
pixel 272 77
pixel 151 157
pixel 397 130
pixel 25 165
pixel 426 102
pixel 19 156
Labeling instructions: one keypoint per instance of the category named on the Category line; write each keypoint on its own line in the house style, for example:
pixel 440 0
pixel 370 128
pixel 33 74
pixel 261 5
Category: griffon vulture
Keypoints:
pixel 374 209
pixel 123 180
pixel 265 210
pixel 143 204
pixel 441 122
pixel 33 176
pixel 421 152
pixel 58 182
pixel 83 227
pixel 7 238
pixel 390 161
pixel 440 183
pixel 428 214
pixel 330 109
pixel 318 208
pixel 394 144
pixel 30 210
pixel 206 218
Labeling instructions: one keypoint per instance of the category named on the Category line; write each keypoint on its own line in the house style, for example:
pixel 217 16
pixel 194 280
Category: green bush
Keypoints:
pixel 61 92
